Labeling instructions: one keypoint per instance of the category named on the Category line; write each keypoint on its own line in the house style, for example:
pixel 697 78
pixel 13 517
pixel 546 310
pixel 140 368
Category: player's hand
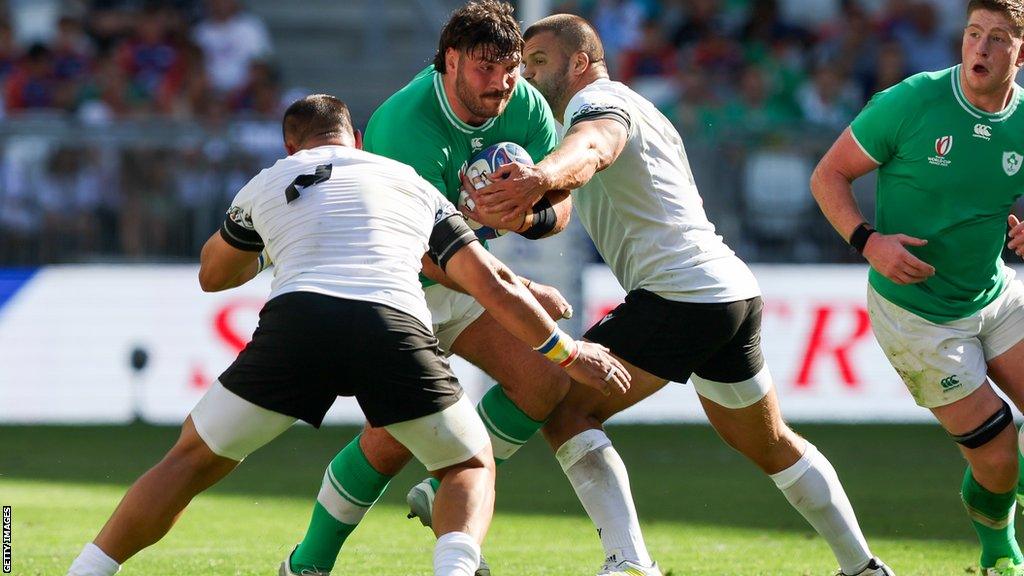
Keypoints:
pixel 498 221
pixel 887 254
pixel 1016 235
pixel 513 191
pixel 597 368
pixel 551 299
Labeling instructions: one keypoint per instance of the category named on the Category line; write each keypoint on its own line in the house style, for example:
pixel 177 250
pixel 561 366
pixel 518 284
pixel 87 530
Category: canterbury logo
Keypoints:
pixel 949 382
pixel 982 131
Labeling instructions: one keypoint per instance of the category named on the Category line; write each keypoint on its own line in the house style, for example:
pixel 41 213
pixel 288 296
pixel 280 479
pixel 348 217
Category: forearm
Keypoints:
pixel 512 305
pixel 834 194
pixel 572 164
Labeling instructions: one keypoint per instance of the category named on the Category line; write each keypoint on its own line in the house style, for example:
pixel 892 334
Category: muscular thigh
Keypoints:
pixel 585 407
pixel 532 382
pixel 1007 370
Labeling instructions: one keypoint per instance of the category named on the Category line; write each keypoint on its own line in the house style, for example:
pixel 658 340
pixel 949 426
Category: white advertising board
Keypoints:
pixel 68 335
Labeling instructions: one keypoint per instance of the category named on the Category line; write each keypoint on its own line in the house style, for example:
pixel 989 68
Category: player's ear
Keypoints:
pixel 1019 61
pixel 451 59
pixel 580 61
pixel 358 135
pixel 290 147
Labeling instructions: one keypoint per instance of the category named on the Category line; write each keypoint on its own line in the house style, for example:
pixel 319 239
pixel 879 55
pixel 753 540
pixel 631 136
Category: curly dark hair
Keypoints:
pixel 1012 9
pixel 484 28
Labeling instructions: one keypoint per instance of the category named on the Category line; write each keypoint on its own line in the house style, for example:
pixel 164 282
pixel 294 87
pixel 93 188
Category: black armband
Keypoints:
pixel 450 234
pixel 544 220
pixel 859 238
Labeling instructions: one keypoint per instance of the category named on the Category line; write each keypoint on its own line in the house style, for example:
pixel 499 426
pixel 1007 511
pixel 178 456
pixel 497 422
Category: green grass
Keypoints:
pixel 705 510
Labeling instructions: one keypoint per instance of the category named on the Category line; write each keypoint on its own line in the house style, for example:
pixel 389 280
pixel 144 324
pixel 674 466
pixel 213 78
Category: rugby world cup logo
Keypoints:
pixel 943 145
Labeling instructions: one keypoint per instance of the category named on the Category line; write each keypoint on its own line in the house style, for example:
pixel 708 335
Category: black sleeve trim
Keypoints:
pixel 450 234
pixel 544 220
pixel 240 237
pixel 617 114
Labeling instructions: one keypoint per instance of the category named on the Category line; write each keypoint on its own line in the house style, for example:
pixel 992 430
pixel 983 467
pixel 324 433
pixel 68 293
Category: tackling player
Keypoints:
pixel 948 147
pixel 635 195
pixel 346 317
pixel 468 99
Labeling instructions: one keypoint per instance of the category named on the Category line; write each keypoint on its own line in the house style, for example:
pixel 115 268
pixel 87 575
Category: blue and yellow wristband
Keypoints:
pixel 560 348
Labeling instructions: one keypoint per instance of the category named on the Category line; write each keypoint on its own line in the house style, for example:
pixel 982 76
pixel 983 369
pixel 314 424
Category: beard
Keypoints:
pixel 476 103
pixel 553 89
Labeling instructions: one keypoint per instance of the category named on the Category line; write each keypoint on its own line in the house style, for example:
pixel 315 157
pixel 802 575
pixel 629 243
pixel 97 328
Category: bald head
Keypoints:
pixel 315 120
pixel 574 34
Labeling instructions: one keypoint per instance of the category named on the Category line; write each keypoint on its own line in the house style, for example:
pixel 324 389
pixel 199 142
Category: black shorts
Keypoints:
pixel 720 342
pixel 310 348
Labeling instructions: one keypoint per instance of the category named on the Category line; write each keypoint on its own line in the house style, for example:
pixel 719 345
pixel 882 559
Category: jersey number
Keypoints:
pixel 322 174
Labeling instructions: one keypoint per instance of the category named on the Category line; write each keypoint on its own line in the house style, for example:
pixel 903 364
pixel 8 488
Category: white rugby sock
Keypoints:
pixel 813 488
pixel 93 562
pixel 456 554
pixel 599 478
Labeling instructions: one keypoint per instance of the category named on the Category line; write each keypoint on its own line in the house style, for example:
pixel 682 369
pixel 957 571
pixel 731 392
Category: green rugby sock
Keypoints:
pixel 349 488
pixel 1020 469
pixel 992 517
pixel 507 425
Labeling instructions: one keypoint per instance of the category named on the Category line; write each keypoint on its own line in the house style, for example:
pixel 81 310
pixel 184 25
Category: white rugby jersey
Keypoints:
pixel 356 227
pixel 644 212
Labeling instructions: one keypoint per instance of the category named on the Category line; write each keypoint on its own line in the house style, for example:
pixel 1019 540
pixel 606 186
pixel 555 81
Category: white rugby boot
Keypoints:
pixel 874 568
pixel 421 505
pixel 627 568
pixel 1004 567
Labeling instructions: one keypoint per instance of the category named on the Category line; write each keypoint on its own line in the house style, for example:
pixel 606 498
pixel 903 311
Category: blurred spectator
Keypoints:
pixel 230 40
pixel 8 50
pixel 72 50
pixel 32 84
pixel 890 69
pixel 650 67
pixel 753 111
pixel 926 47
pixel 152 62
pixel 829 99
pixel 700 19
pixel 108 94
pixel 69 194
pixel 618 23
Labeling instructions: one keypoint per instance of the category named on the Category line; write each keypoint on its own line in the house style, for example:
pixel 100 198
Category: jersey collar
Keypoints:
pixel 446 108
pixel 961 98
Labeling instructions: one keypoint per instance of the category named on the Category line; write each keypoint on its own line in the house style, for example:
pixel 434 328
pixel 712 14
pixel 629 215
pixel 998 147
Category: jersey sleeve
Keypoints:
pixel 238 229
pixel 392 137
pixel 450 232
pixel 597 104
pixel 878 127
pixel 542 136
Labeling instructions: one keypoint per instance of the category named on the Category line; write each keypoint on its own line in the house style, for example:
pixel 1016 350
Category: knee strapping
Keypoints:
pixel 988 429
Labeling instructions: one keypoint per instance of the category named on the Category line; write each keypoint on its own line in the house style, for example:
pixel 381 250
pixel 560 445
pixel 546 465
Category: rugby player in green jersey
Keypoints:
pixel 469 98
pixel 949 315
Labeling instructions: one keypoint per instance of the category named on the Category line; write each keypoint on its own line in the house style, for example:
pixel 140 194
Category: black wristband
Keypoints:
pixel 544 220
pixel 859 238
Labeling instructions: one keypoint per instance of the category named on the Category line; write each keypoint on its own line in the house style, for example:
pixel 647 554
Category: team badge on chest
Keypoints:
pixel 1011 162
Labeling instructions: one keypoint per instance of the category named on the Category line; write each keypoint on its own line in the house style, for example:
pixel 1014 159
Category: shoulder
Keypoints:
pixel 600 99
pixel 411 110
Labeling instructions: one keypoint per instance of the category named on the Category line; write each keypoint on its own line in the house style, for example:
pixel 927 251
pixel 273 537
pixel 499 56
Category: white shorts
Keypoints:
pixel 943 363
pixel 232 426
pixel 450 312
pixel 448 437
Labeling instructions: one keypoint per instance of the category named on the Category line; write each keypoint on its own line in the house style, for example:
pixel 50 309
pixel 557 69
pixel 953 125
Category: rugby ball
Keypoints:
pixel 479 169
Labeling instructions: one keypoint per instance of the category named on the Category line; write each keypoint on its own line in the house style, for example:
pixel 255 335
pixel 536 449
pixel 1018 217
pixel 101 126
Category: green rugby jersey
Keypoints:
pixel 948 173
pixel 417 126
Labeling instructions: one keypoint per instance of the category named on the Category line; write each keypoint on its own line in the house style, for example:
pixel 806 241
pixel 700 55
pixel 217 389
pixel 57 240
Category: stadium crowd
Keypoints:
pixel 758 89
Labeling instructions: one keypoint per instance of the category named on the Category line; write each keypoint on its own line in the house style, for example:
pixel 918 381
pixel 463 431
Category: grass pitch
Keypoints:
pixel 705 509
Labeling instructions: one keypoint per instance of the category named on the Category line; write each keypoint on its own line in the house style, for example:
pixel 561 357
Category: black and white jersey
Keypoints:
pixel 644 212
pixel 346 223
